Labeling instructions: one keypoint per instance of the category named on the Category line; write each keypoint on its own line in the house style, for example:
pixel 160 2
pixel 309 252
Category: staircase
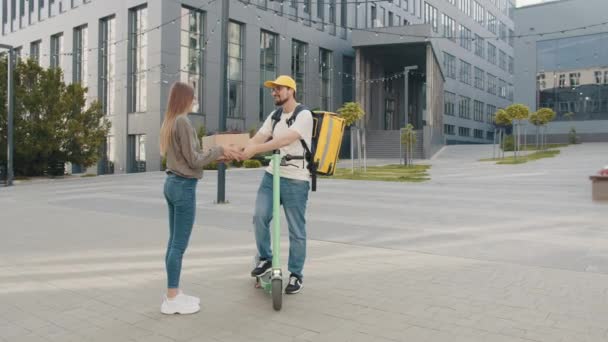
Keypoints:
pixel 385 145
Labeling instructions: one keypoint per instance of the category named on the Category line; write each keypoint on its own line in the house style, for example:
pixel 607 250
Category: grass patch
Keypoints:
pixel 21 178
pixel 387 173
pixel 547 146
pixel 524 159
pixel 87 175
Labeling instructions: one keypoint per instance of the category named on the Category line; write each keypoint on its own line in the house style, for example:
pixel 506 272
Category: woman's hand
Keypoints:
pixel 231 152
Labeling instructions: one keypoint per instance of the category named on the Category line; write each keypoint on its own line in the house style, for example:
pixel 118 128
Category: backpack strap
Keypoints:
pixel 276 117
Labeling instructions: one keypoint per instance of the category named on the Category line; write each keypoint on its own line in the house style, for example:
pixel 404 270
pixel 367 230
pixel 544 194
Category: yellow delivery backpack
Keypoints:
pixel 327 133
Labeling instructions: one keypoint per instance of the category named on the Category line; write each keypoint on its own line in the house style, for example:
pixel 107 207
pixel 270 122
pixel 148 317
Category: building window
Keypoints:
pixel 18 53
pixel 325 69
pixel 562 80
pixel 598 77
pixel 465 72
pixel 465 6
pixel 191 50
pixel 511 37
pixel 479 46
pixel 299 51
pixel 31 11
pixel 464 131
pixel 374 14
pixel 332 12
pixel 575 79
pixel 41 10
pixel 235 69
pixel 491 23
pixel 80 55
pixel 107 54
pixel 321 9
pixel 269 55
pixel 502 30
pixel 348 85
pixel 449 64
pixel 138 59
pixel 478 133
pixel 511 66
pixel 449 27
pixel 491 53
pixel 21 13
pixel 502 60
pixel 542 84
pixel 479 78
pixel 35 51
pixel 478 110
pixel 502 88
pixel 510 92
pixel 56 50
pixel 391 19
pixel 448 129
pixel 491 84
pixel 490 111
pixel 430 16
pixel 465 37
pixel 449 103
pixel 464 108
pixel 137 153
pixel 307 6
pixel 479 13
pixel 343 13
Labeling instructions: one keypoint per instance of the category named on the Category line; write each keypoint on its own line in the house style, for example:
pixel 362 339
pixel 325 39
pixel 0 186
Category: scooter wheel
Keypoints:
pixel 277 294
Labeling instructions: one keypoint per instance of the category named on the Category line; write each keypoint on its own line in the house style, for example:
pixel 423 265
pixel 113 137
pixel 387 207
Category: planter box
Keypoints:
pixel 599 188
pixel 239 140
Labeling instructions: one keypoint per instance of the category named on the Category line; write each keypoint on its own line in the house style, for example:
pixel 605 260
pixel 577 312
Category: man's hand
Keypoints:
pixel 230 153
pixel 249 152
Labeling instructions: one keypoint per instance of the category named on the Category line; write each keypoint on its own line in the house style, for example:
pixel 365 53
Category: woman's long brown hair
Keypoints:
pixel 180 102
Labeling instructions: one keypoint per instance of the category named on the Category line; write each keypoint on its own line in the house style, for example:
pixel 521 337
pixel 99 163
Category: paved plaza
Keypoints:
pixel 482 252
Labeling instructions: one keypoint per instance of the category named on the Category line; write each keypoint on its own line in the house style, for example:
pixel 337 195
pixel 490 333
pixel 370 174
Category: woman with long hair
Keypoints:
pixel 185 161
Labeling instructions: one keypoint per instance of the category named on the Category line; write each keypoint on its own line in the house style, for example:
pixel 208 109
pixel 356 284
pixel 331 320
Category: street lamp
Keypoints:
pixel 11 104
pixel 221 169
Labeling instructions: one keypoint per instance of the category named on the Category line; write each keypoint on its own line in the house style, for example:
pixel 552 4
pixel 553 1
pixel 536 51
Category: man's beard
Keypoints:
pixel 280 102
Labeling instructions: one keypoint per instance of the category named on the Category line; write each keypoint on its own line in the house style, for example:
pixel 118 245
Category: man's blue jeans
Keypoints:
pixel 180 194
pixel 294 195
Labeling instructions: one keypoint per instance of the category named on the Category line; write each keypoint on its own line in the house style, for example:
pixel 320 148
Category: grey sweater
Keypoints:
pixel 184 155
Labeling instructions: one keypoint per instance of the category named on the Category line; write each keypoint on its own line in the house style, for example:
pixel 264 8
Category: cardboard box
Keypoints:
pixel 599 188
pixel 239 140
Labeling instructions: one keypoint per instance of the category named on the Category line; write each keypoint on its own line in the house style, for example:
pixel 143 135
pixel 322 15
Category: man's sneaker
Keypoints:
pixel 263 267
pixel 180 304
pixel 294 286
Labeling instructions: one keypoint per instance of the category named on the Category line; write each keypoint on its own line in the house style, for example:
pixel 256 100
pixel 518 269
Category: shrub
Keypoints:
pixel 211 166
pixel 252 164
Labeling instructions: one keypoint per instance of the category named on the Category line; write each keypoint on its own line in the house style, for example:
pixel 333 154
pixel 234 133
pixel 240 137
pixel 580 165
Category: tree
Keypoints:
pixel 545 115
pixel 517 112
pixel 52 122
pixel 408 139
pixel 352 112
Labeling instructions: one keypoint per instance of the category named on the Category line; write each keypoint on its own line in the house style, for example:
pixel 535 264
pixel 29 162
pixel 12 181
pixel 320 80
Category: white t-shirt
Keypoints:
pixel 295 169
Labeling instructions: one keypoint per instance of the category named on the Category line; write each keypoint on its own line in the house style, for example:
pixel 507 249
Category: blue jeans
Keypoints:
pixel 294 195
pixel 180 194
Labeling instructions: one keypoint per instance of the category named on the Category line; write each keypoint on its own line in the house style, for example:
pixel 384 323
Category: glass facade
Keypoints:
pixel 572 76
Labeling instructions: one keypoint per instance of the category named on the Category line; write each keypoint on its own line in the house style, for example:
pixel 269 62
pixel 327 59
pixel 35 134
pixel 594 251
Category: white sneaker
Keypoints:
pixel 192 299
pixel 179 305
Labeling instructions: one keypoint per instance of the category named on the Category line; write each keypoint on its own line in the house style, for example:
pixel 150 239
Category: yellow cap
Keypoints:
pixel 282 80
